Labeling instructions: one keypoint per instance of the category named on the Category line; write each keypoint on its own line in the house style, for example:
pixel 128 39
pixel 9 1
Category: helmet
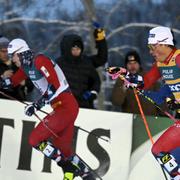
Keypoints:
pixel 160 35
pixel 18 46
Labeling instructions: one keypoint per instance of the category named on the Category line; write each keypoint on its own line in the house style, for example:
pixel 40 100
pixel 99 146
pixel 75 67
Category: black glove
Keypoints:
pixel 30 109
pixel 41 102
pixel 90 95
pixel 99 34
pixel 135 79
pixel 172 104
pixel 5 83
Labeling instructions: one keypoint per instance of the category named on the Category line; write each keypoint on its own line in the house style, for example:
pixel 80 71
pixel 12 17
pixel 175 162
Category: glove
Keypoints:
pixel 5 83
pixel 114 72
pixel 136 81
pixel 99 34
pixel 172 104
pixel 41 102
pixel 90 95
pixel 30 109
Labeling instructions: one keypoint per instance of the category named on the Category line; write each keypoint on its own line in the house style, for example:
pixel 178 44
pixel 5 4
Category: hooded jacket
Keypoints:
pixel 80 71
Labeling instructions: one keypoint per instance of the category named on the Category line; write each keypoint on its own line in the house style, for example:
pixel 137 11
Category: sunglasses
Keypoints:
pixel 152 46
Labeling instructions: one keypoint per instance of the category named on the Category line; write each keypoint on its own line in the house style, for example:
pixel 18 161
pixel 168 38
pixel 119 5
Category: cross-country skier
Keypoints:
pixel 166 149
pixel 48 77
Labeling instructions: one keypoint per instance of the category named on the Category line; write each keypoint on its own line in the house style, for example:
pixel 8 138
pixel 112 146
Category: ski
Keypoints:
pixel 91 170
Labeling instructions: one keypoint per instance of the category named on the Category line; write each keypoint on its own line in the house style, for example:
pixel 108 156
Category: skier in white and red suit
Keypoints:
pixel 48 77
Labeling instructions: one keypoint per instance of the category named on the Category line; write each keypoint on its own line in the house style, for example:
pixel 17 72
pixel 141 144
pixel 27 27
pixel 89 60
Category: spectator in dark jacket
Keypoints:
pixel 79 68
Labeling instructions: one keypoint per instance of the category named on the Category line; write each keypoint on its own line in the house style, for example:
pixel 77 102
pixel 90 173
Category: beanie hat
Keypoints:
pixel 132 56
pixel 160 35
pixel 77 44
pixel 4 42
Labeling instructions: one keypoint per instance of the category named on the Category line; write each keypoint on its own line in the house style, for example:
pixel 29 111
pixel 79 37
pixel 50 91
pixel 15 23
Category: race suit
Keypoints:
pixel 169 141
pixel 51 82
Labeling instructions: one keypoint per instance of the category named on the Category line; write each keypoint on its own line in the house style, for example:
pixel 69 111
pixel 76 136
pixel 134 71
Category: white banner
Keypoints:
pixel 110 159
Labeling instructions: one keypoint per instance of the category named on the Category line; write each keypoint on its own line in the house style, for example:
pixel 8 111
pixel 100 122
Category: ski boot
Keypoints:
pixel 84 171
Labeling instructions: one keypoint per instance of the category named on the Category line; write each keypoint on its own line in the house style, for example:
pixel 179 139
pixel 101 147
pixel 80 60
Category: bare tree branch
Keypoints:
pixel 90 9
pixel 111 12
pixel 120 48
pixel 43 21
pixel 130 25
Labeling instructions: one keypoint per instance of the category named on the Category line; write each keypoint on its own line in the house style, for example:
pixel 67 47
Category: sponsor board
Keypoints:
pixel 110 159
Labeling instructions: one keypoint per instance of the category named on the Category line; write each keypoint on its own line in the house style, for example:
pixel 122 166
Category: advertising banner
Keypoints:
pixel 102 139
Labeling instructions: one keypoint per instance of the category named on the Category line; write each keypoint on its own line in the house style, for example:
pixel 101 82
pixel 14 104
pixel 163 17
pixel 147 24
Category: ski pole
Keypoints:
pixel 55 135
pixel 140 108
pixel 93 171
pixel 149 99
pixel 146 124
pixel 12 98
pixel 22 102
pixel 115 72
pixel 142 115
pixel 84 130
pixel 44 123
pixel 155 104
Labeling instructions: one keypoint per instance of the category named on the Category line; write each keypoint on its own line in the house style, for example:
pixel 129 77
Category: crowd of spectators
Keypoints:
pixel 81 72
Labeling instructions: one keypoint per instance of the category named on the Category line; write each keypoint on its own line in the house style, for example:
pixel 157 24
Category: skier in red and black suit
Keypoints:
pixel 48 77
pixel 166 149
pixel 167 66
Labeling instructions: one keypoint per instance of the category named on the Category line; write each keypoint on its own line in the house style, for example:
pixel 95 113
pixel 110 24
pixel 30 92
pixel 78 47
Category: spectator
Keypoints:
pixel 7 68
pixel 123 96
pixel 79 68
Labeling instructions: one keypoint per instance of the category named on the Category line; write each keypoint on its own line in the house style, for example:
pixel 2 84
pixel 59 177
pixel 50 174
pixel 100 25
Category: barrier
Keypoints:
pixel 110 159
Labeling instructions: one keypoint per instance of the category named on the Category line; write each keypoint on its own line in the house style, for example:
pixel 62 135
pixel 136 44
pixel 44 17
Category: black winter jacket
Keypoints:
pixel 17 92
pixel 80 71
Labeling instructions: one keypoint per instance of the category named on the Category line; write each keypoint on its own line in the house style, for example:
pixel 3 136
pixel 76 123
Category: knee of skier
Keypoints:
pixel 155 150
pixel 33 140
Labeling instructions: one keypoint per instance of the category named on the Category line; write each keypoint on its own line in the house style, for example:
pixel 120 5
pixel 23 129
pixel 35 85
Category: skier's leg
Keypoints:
pixel 50 151
pixel 61 122
pixel 168 163
pixel 64 141
pixel 84 171
pixel 167 152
